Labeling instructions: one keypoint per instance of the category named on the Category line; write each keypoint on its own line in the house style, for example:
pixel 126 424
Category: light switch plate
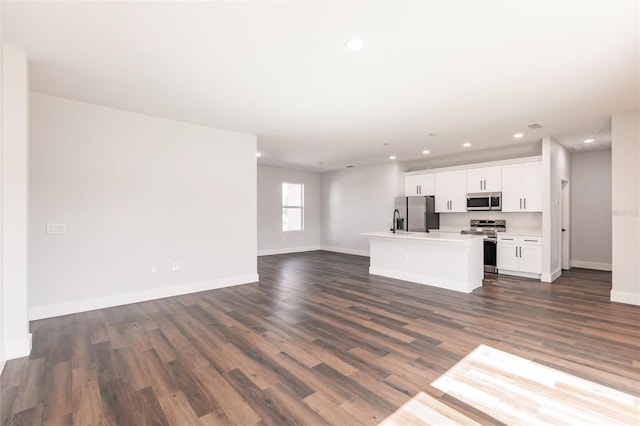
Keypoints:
pixel 56 228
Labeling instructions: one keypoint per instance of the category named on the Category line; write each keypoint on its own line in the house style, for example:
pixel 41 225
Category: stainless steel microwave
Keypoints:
pixel 484 201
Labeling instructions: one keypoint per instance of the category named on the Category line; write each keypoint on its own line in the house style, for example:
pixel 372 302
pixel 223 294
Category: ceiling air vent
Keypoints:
pixel 534 126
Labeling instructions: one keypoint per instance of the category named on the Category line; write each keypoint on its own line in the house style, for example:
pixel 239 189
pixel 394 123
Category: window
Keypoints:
pixel 292 204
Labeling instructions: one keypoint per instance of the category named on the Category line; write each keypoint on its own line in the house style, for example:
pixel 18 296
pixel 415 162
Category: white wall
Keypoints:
pixel 625 179
pixel 271 238
pixel 16 339
pixel 358 200
pixel 135 191
pixel 556 167
pixel 532 221
pixel 591 209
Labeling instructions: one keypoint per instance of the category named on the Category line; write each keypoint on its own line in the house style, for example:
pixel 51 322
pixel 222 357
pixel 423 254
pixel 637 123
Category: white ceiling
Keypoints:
pixel 475 71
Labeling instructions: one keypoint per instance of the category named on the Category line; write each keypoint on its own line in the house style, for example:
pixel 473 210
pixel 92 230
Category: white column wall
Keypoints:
pixel 625 206
pixel 15 171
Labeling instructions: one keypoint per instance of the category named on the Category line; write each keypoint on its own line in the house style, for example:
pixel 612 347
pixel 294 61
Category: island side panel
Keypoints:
pixel 451 265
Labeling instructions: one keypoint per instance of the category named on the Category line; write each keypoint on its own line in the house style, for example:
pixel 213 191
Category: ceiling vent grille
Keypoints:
pixel 534 126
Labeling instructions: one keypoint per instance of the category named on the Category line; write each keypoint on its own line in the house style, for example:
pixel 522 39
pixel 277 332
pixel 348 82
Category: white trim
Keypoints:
pixel 519 274
pixel 591 265
pixel 475 165
pixel 454 285
pixel 549 278
pixel 75 306
pixel 17 348
pixel 346 250
pixel 2 362
pixel 624 297
pixel 269 252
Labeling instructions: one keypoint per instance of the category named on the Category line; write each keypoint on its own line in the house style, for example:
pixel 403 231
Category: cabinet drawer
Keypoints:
pixel 531 241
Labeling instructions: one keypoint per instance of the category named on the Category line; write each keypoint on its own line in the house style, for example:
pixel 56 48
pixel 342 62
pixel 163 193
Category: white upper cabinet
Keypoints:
pixel 419 185
pixel 451 191
pixel 522 187
pixel 484 179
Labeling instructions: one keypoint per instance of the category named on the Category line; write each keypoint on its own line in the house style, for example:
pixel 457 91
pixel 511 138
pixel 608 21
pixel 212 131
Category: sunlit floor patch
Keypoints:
pixel 515 390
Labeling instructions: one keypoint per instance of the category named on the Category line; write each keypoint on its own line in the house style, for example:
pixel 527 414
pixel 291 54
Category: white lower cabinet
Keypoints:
pixel 519 255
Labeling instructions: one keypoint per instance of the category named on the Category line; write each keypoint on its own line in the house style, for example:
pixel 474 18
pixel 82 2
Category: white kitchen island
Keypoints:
pixel 445 260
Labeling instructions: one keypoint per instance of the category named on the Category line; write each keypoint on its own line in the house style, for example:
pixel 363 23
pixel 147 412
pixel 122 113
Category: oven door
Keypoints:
pixel 478 202
pixel 490 255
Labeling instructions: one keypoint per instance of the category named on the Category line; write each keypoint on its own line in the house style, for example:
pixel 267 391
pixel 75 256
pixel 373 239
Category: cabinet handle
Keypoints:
pixel 516 251
pixel 525 203
pixel 480 184
pixel 520 203
pixel 521 252
pixel 531 241
pixel 506 239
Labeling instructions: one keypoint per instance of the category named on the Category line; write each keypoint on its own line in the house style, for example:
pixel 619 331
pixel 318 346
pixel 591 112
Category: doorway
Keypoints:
pixel 565 226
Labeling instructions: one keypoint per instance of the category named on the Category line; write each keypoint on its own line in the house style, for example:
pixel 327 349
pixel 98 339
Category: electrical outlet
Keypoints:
pixel 154 269
pixel 175 266
pixel 56 228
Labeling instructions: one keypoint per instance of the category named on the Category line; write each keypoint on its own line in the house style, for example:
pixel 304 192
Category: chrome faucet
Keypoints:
pixel 394 219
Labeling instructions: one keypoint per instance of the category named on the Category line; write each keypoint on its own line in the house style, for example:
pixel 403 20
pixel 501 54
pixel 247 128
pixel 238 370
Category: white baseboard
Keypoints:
pixel 549 278
pixel 461 286
pixel 17 348
pixel 269 252
pixel 624 297
pixel 75 306
pixel 519 274
pixel 591 265
pixel 346 250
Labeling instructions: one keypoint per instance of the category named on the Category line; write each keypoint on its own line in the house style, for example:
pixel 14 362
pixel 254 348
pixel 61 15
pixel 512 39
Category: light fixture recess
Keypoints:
pixel 518 135
pixel 589 141
pixel 258 154
pixel 354 44
pixel 466 144
pixel 426 151
pixel 392 157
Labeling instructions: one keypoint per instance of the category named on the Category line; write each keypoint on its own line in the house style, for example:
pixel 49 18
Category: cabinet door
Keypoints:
pixel 451 191
pixel 531 259
pixel 507 256
pixel 493 179
pixel 512 185
pixel 484 179
pixel 427 184
pixel 532 186
pixel 475 180
pixel 412 185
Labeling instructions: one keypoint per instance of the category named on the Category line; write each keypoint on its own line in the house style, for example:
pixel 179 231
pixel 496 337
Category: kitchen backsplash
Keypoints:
pixel 514 220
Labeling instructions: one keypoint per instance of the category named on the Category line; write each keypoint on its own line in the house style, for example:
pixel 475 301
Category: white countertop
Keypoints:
pixel 534 232
pixel 424 236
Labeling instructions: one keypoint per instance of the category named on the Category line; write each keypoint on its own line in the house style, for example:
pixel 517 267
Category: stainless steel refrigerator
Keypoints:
pixel 418 213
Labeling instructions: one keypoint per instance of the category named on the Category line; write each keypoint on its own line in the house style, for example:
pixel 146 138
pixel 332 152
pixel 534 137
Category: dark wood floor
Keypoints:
pixel 317 341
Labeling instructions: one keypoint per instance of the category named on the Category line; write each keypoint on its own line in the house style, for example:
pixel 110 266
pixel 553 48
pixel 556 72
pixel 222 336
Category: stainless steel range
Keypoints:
pixel 489 229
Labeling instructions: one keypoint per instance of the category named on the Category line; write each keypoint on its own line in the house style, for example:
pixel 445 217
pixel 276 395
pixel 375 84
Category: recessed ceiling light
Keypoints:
pixel 466 144
pixel 392 157
pixel 518 135
pixel 426 151
pixel 258 154
pixel 588 141
pixel 354 44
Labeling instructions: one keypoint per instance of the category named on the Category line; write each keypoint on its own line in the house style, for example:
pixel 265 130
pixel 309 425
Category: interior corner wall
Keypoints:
pixel 358 200
pixel 137 194
pixel 591 209
pixel 271 238
pixel 556 165
pixel 625 207
pixel 15 145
